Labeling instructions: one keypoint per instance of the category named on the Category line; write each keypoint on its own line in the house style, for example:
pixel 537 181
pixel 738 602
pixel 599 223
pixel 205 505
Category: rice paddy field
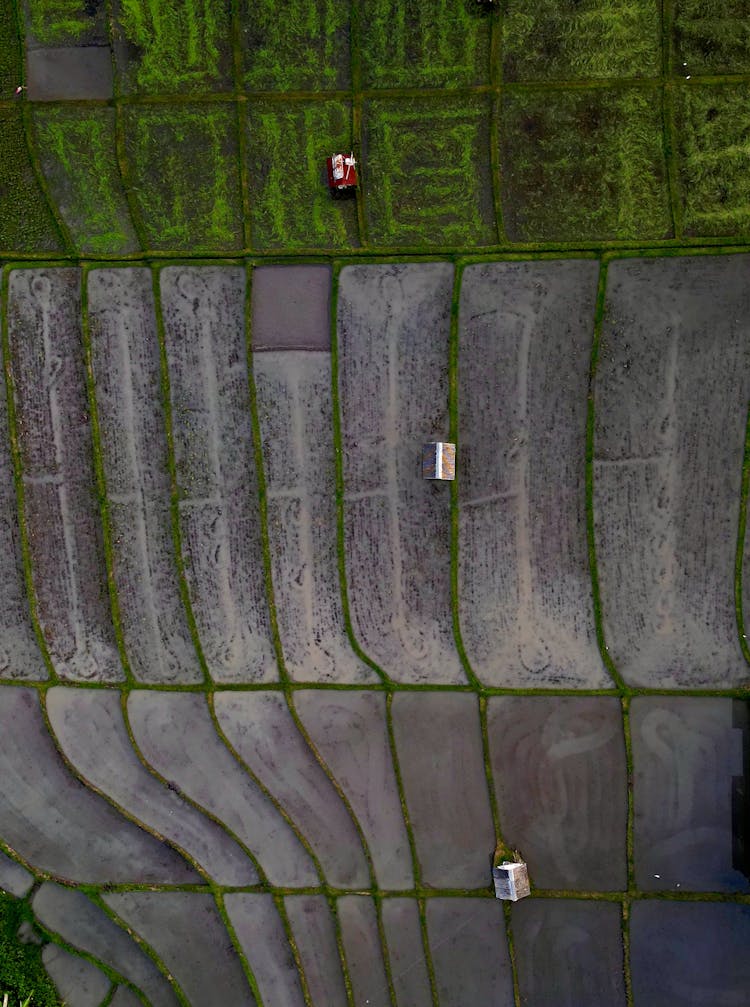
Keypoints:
pixel 271 703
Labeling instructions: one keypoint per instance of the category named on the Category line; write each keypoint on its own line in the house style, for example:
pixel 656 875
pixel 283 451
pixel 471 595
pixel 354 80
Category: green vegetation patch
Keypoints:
pixel 11 73
pixel 21 971
pixel 174 45
pixel 303 46
pixel 77 149
pixel 581 39
pixel 714 158
pixel 60 22
pixel 711 36
pixel 410 43
pixel 291 206
pixel 184 175
pixel 584 165
pixel 26 223
pixel 429 179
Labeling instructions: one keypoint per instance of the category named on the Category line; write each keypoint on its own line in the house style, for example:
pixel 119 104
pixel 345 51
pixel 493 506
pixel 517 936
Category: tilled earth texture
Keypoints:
pixel 269 700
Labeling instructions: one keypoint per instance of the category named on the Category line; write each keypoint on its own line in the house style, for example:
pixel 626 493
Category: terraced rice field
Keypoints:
pixel 269 701
pixel 320 690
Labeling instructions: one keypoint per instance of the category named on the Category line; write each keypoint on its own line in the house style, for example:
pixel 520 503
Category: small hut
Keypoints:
pixel 439 460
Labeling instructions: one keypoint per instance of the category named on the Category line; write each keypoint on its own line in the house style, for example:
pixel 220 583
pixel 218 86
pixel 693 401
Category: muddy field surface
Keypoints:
pixel 671 395
pixel 525 601
pixel 393 330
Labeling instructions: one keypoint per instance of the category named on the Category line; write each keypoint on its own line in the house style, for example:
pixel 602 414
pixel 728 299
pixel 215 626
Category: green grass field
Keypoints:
pixel 304 47
pixel 428 171
pixel 714 151
pixel 77 148
pixel 583 165
pixel 409 43
pixel 184 175
pixel 21 971
pixel 176 45
pixel 291 206
pixel 580 39
pixel 711 36
pixel 10 51
pixel 60 22
pixel 26 224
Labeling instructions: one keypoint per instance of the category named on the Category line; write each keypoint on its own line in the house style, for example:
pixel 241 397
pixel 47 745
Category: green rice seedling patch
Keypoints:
pixel 581 39
pixel 77 150
pixel 10 51
pixel 305 47
pixel 583 165
pixel 184 176
pixel 410 43
pixel 714 158
pixel 428 176
pixel 64 22
pixel 287 146
pixel 26 223
pixel 173 46
pixel 22 974
pixel 711 37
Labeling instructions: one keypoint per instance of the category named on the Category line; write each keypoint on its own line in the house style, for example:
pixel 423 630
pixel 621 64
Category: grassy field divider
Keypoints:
pixel 740 553
pixel 17 462
pixel 174 488
pixel 152 771
pixel 590 517
pixel 453 435
pixel 100 478
pixel 246 967
pixel 143 945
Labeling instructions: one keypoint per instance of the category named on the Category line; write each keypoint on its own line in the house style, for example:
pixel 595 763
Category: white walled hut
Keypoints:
pixel 439 460
pixel 511 880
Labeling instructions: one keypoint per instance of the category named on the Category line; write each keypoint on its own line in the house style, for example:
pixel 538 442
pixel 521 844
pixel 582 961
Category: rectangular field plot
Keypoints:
pixel 20 656
pixel 710 38
pixel 411 980
pixel 173 46
pixel 569 953
pixel 439 745
pixel 26 223
pixel 10 51
pixel 713 137
pixel 204 311
pixel 469 951
pixel 671 394
pixel 682 952
pixel 125 360
pixel 62 22
pixel 428 162
pixel 184 174
pixel 688 788
pixel 295 208
pixel 567 755
pixel 305 47
pixel 405 43
pixel 574 39
pixel 393 331
pixel 296 425
pixel 583 165
pixel 77 151
pixel 524 596
pixel 62 514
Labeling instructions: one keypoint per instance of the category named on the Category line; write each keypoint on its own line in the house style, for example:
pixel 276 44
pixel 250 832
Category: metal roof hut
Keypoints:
pixel 511 881
pixel 439 460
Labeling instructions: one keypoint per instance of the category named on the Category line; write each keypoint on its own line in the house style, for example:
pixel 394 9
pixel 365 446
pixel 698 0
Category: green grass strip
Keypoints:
pixel 453 430
pixel 590 519
pixel 101 481
pixel 17 460
pixel 142 944
pixel 174 488
pixel 740 553
pixel 246 967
